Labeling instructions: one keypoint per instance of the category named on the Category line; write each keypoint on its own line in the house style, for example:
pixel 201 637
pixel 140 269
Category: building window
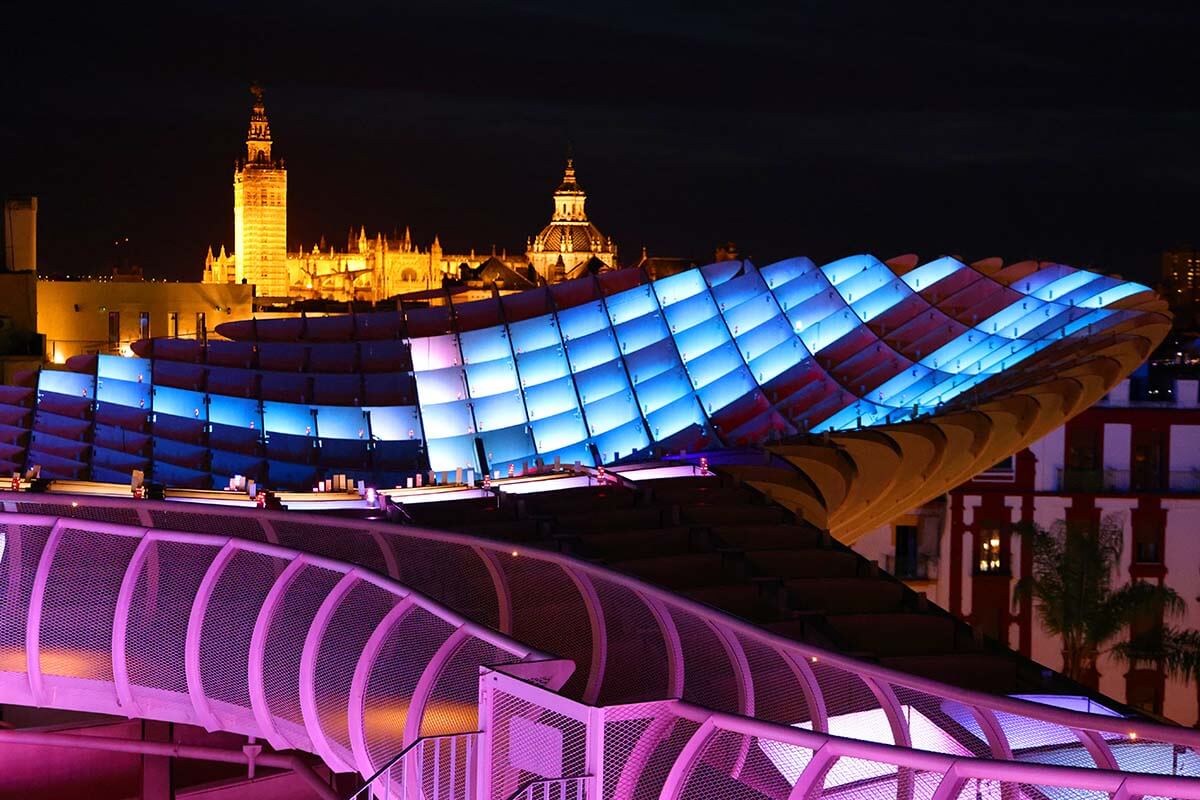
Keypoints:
pixel 990 555
pixel 144 325
pixel 114 330
pixel 1082 472
pixel 201 327
pixel 1143 689
pixel 1002 472
pixel 173 324
pixel 1145 544
pixel 1147 466
pixel 905 563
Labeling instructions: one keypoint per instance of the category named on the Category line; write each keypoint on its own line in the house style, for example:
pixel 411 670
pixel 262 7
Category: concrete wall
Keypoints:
pixel 74 315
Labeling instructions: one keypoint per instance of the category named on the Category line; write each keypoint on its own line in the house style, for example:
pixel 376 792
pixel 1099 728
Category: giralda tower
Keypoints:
pixel 260 210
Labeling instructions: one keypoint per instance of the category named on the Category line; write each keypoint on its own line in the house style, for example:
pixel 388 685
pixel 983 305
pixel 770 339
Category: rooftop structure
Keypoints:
pixel 961 365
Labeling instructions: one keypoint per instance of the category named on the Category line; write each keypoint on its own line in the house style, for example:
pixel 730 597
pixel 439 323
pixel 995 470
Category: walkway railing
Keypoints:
pixel 629 642
pixel 431 768
pixel 673 749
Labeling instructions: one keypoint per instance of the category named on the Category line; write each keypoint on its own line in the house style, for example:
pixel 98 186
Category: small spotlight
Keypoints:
pixel 74 504
pixel 515 553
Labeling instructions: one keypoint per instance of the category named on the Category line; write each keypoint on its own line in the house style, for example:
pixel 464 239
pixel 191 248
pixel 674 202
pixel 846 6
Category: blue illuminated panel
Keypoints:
pixel 725 354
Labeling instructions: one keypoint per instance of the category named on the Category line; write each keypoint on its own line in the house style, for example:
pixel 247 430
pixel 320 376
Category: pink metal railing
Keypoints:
pixel 674 749
pixel 631 643
pixel 431 768
pixel 235 635
pixel 553 789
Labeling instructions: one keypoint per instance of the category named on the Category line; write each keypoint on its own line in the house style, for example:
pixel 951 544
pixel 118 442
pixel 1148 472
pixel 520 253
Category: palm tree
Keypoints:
pixel 1072 582
pixel 1175 651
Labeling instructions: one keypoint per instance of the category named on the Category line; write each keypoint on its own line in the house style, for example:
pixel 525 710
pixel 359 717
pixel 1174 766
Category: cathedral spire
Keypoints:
pixel 569 197
pixel 258 139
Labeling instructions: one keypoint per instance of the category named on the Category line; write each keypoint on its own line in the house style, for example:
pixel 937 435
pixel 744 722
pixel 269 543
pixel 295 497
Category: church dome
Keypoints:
pixel 579 237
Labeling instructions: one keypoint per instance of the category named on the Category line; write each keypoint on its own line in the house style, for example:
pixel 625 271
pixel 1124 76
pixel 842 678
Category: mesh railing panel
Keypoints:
pixel 778 693
pixel 846 695
pixel 732 765
pixel 532 743
pixel 1161 758
pixel 452 574
pixel 406 650
pixel 23 545
pixel 445 766
pixel 121 515
pixel 453 703
pixel 858 777
pixel 166 586
pixel 229 625
pixel 653 774
pixel 905 782
pixel 977 789
pixel 337 542
pixel 631 735
pixel 633 636
pixel 542 591
pixel 1043 742
pixel 358 613
pixel 285 643
pixel 201 522
pixel 77 611
pixel 1033 790
pixel 941 725
pixel 710 680
pixel 772 767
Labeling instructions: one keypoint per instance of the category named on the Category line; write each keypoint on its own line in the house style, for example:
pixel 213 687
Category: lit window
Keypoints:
pixel 990 556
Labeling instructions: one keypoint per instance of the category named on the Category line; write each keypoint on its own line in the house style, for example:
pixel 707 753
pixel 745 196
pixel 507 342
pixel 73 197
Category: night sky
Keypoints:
pixel 1055 131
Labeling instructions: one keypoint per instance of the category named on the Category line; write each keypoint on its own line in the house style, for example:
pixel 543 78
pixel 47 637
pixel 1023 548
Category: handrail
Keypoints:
pixel 826 749
pixel 999 703
pixel 391 762
pixel 574 779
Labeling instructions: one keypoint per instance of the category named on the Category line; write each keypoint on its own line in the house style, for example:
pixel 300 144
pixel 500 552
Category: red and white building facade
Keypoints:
pixel 1133 458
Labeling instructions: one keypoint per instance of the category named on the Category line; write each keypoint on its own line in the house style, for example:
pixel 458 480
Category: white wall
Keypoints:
pixel 1112 672
pixel 1116 445
pixel 1185 448
pixel 1044 650
pixel 876 545
pixel 1050 453
pixel 1182 553
pixel 1186 392
pixel 1119 394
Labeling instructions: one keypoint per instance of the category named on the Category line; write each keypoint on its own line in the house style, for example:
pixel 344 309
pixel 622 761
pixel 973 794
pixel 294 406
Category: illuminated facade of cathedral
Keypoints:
pixel 380 267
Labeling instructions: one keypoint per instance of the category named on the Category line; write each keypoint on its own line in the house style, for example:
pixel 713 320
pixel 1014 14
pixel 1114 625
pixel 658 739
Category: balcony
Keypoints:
pixel 1092 481
pixel 1119 481
pixel 913 568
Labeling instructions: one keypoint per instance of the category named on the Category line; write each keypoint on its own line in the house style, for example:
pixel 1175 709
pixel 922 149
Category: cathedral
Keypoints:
pixel 380 267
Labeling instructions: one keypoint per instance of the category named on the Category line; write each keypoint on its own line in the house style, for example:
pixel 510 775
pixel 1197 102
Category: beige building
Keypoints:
pixel 374 268
pixel 108 316
pixel 20 234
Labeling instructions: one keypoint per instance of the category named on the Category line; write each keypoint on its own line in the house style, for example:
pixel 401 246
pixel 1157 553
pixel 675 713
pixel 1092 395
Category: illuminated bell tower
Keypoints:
pixel 260 210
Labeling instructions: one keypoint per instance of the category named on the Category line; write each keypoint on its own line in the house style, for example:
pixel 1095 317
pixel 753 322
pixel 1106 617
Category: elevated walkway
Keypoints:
pixel 360 640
